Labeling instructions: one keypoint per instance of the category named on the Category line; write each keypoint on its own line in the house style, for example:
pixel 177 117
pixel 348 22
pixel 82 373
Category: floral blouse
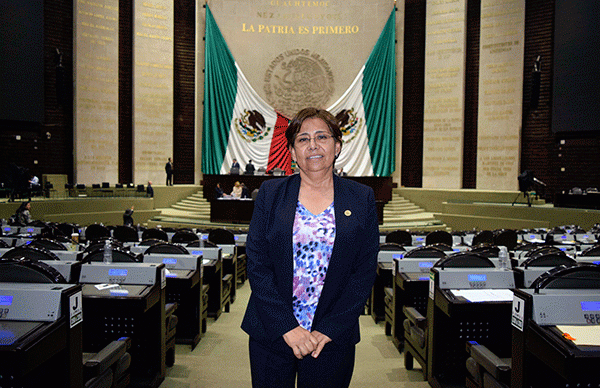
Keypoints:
pixel 313 237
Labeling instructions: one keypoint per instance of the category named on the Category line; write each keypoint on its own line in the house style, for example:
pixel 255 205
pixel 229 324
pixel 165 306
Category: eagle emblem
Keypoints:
pixel 252 126
pixel 350 124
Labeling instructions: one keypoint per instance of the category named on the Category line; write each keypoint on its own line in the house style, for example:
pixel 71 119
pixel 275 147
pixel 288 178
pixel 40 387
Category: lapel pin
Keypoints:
pixel 347 213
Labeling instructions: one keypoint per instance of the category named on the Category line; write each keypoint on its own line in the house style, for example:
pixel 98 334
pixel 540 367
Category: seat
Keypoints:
pixel 99 243
pixel 483 237
pixel 150 241
pixel 427 251
pixel 401 237
pixel 19 269
pixel 206 243
pixel 96 232
pixel 140 191
pixel 165 247
pixel 119 255
pixel 48 244
pixel 155 233
pixel 30 252
pixel 184 237
pixel 507 238
pixel 125 233
pixel 107 368
pixel 579 276
pixel 487 250
pixel 438 236
pixel 221 236
pixel 591 251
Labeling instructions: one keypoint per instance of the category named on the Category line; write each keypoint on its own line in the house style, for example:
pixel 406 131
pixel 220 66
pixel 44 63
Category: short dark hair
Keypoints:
pixel 310 113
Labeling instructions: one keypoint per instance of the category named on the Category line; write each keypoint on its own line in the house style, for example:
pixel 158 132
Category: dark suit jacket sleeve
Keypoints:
pixel 267 308
pixel 338 321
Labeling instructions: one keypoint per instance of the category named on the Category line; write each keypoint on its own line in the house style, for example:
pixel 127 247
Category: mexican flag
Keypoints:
pixel 239 124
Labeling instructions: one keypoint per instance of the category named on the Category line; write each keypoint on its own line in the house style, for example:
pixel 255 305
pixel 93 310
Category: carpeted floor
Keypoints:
pixel 221 358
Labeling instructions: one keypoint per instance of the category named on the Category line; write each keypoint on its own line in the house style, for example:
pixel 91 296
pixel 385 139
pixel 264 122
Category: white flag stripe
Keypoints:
pixel 238 146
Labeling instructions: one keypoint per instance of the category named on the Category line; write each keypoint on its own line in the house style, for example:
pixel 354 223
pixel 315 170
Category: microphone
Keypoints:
pixel 539 182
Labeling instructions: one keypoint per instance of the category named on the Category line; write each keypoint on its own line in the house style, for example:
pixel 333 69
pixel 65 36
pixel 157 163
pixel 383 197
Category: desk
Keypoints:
pixel 139 315
pixel 213 277
pixel 383 280
pixel 42 353
pixel 235 211
pixel 382 187
pixel 410 289
pixel 541 357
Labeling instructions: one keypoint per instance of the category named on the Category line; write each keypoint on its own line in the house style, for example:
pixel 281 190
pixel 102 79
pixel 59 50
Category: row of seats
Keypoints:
pixel 37 249
pixel 404 297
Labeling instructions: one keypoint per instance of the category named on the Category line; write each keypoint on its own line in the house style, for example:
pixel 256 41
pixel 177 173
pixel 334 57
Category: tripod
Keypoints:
pixel 526 194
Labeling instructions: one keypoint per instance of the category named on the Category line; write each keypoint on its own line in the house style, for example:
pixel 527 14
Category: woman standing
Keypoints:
pixel 312 257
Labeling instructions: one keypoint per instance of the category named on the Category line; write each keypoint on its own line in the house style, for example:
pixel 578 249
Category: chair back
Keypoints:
pixel 30 252
pixel 96 232
pixel 125 233
pixel 438 236
pixel 119 255
pixel 401 237
pixel 184 237
pixel 22 270
pixel 221 236
pixel 165 247
pixel 507 238
pixel 483 237
pixel 464 260
pixel 580 276
pixel 48 244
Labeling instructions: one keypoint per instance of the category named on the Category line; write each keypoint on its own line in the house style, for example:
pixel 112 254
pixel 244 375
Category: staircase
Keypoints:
pixel 399 213
pixel 194 211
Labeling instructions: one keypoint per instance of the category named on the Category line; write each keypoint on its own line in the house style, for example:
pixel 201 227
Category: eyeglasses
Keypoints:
pixel 304 141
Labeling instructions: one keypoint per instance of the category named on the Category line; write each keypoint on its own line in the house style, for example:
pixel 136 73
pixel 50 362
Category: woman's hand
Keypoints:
pixel 323 339
pixel 301 341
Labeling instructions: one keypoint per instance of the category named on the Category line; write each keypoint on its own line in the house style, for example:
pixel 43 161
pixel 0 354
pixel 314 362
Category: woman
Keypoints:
pixel 23 214
pixel 312 257
pixel 237 190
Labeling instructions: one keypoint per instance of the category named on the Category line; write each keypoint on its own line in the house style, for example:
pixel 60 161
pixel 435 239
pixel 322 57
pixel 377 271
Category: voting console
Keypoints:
pixel 184 287
pixel 556 338
pixel 465 304
pixel 40 335
pixel 127 300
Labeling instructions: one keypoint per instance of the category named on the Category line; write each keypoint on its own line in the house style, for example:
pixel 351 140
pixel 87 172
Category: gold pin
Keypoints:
pixel 347 213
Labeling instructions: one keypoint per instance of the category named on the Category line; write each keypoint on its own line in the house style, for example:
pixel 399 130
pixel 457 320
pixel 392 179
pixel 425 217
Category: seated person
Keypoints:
pixel 245 191
pixel 237 190
pixel 218 191
pixel 127 217
pixel 23 216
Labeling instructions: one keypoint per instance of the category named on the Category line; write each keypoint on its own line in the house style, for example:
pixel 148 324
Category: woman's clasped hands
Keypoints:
pixel 304 342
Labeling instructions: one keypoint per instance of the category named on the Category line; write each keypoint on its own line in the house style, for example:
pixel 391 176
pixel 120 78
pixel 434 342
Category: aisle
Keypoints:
pixel 221 358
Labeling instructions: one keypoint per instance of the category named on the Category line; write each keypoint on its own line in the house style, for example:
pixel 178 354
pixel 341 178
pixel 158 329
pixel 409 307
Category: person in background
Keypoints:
pixel 237 190
pixel 169 171
pixel 150 190
pixel 23 214
pixel 128 217
pixel 245 191
pixel 218 191
pixel 235 167
pixel 312 259
pixel 249 168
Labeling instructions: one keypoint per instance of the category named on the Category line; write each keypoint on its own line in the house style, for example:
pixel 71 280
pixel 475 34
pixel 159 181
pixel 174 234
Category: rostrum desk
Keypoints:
pixel 40 345
pixel 184 287
pixel 135 309
pixel 453 320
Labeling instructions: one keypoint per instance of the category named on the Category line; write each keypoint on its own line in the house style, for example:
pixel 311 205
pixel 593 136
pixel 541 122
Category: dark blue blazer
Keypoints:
pixel 270 264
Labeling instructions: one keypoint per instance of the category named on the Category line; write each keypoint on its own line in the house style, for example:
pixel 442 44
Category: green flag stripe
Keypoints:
pixel 379 100
pixel 220 88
